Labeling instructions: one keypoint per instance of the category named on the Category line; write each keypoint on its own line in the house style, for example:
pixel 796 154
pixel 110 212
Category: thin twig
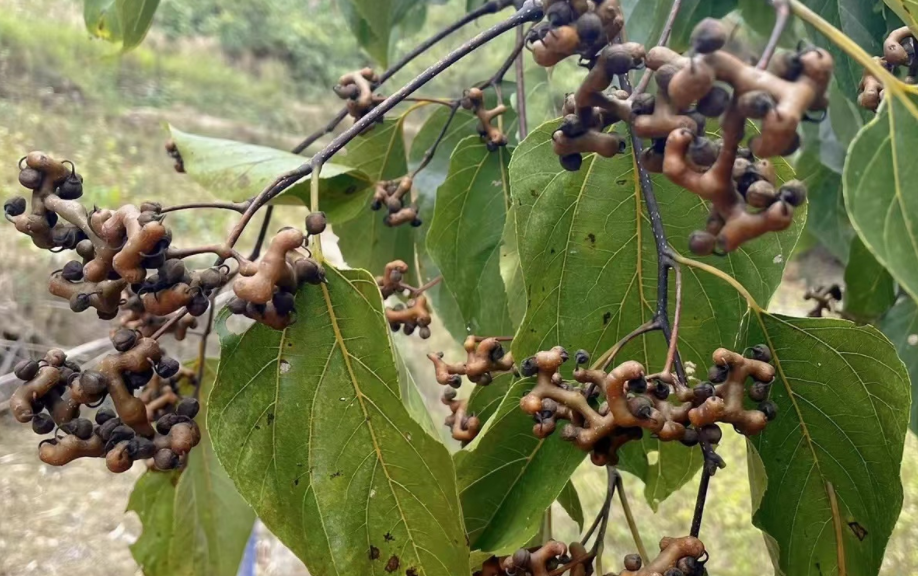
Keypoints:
pixel 663 41
pixel 782 16
pixel 498 76
pixel 429 154
pixel 491 7
pixel 629 518
pixel 521 87
pixel 529 13
pixel 606 359
pixel 234 206
pixel 262 233
pixel 677 317
pixel 176 316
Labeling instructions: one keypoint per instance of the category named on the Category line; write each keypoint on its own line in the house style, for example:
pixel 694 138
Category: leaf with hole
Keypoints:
pixel 827 488
pixel 310 424
pixel 236 171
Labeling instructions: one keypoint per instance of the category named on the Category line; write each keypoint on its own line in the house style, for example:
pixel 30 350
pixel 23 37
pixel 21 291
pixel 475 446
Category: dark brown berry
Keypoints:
pixel 708 36
pixel 188 407
pixel 793 192
pixel 93 383
pixel 759 391
pixel 703 391
pixel 315 223
pixel 30 178
pixel 26 369
pixel 104 415
pixel 14 206
pixel 702 243
pixel 769 409
pixel 712 433
pixel 633 562
pixel 124 339
pixel 198 305
pixel 571 162
pixel 73 271
pixel 71 188
pixel 166 459
pixel 715 102
pixel 718 373
pixel 167 367
pixel 42 424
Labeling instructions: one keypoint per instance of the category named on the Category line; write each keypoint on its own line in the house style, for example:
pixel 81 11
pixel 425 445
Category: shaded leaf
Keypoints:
pixel 234 171
pixel 465 236
pixel 901 326
pixel 310 424
pixel 827 218
pixel 372 22
pixel 878 181
pixel 194 522
pixel 366 242
pixel 411 395
pixel 508 477
pixel 589 265
pixel 869 289
pixel 512 271
pixel 570 501
pixel 843 403
pixel 645 20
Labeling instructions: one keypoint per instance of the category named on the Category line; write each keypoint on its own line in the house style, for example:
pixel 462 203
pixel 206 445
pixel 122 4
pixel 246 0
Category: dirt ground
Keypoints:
pixel 71 520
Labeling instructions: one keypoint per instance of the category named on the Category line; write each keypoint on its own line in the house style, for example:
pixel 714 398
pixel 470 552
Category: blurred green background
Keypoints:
pixel 259 71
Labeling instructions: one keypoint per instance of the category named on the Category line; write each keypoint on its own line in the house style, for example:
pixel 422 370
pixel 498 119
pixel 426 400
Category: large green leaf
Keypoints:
pixel 101 19
pixel 365 241
pixel 373 21
pixel 508 477
pixel 589 265
pixel 235 171
pixel 901 326
pixel 512 271
pixel 878 184
pixel 869 289
pixel 829 471
pixel 827 218
pixel 464 238
pixel 194 523
pixel 311 427
pixel 432 177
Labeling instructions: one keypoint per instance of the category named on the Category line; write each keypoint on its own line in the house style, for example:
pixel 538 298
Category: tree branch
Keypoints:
pixel 782 15
pixel 491 7
pixel 530 12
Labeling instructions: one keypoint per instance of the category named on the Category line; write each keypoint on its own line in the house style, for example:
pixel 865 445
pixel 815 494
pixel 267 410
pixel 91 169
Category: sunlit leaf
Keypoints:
pixel 194 522
pixel 829 471
pixel 136 17
pixel 311 427
pixel 236 171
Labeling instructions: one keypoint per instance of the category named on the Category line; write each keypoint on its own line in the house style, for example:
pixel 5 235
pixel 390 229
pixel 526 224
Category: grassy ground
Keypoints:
pixel 72 97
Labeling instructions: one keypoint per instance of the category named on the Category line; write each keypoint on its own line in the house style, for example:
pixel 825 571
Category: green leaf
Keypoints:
pixel 194 522
pixel 570 501
pixel 907 10
pixel 431 178
pixel 153 499
pixel 365 241
pixel 411 395
pixel 310 424
pixel 589 265
pixel 120 21
pixel 508 477
pixel 869 289
pixel 843 406
pixel 512 271
pixel 465 236
pixel 827 218
pixel 136 17
pixel 373 21
pixel 901 326
pixel 878 181
pixel 235 171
